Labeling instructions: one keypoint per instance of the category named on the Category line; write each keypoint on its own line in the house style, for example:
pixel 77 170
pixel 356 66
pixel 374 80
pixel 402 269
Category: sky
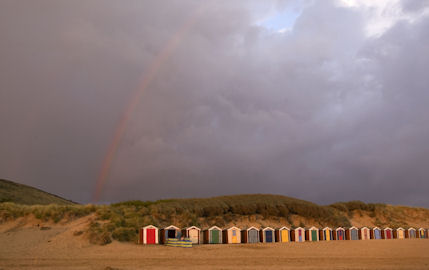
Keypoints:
pixel 105 101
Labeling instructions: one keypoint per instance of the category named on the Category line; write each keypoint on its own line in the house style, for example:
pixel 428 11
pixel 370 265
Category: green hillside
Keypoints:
pixel 22 194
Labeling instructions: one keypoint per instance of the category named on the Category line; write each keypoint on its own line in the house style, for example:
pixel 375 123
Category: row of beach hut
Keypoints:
pixel 233 235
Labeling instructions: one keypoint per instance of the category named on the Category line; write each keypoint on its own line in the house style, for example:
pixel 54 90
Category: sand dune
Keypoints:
pixel 29 247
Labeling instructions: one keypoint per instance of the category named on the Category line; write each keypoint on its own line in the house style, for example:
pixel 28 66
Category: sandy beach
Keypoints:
pixel 58 248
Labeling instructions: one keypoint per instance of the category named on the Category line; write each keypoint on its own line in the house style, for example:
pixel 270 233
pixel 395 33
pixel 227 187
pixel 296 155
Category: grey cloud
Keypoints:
pixel 322 113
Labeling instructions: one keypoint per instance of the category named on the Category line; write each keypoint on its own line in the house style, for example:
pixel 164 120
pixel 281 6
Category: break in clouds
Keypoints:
pixel 328 102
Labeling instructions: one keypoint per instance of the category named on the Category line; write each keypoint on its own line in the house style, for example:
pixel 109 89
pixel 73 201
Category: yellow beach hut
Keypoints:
pixel 283 235
pixel 325 234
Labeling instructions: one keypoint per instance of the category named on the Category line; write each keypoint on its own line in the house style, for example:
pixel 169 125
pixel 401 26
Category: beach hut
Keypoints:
pixel 340 234
pixel 387 233
pixel 250 235
pixel 148 235
pixel 212 235
pixel 325 234
pixel 422 233
pixel 283 235
pixel 169 232
pixel 267 235
pixel 364 233
pixel 399 233
pixel 352 233
pixel 193 233
pixel 231 235
pixel 375 233
pixel 312 234
pixel 411 233
pixel 297 235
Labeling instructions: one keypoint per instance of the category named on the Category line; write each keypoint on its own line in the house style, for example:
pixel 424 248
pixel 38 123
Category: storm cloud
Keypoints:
pixel 332 106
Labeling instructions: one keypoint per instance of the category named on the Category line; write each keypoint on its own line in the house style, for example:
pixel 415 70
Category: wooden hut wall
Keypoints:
pixel 399 233
pixel 352 233
pixel 364 234
pixel 148 235
pixel 325 234
pixel 340 234
pixel 267 235
pixel 312 234
pixel 283 235
pixel 375 233
pixel 231 236
pixel 169 232
pixel 213 235
pixel 387 233
pixel 252 235
pixel 411 233
pixel 193 233
pixel 298 235
pixel 422 233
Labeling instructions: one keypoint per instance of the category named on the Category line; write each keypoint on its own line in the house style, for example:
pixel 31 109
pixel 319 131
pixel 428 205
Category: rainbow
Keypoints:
pixel 159 60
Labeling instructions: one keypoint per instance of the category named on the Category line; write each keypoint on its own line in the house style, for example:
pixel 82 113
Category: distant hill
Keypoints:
pixel 23 194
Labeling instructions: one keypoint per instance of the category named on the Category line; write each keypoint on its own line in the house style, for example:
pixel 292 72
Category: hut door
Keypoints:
pixel 285 236
pixel 268 236
pixel 340 235
pixel 354 234
pixel 215 236
pixel 389 234
pixel 234 236
pixel 193 236
pixel 314 235
pixel 253 236
pixel 326 235
pixel 171 234
pixel 150 237
pixel 299 235
pixel 377 234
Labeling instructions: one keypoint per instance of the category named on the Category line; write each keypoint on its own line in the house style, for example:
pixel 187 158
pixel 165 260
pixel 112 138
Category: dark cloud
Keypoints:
pixel 322 112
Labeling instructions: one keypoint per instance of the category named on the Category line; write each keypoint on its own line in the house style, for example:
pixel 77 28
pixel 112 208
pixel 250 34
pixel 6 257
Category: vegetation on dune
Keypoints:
pixel 23 194
pixel 121 221
pixel 52 212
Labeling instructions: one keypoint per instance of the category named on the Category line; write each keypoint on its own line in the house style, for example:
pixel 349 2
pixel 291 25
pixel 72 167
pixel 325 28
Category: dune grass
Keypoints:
pixel 121 221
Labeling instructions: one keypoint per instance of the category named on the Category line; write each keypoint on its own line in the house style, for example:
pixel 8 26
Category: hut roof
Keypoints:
pixel 251 228
pixel 400 229
pixel 268 229
pixel 388 228
pixel 364 228
pixel 299 228
pixel 327 228
pixel 411 229
pixel 150 227
pixel 233 228
pixel 193 227
pixel 171 227
pixel 213 228
pixel 313 228
pixel 284 228
pixel 340 228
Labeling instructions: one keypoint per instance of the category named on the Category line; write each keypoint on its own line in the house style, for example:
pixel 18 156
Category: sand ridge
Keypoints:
pixel 28 247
